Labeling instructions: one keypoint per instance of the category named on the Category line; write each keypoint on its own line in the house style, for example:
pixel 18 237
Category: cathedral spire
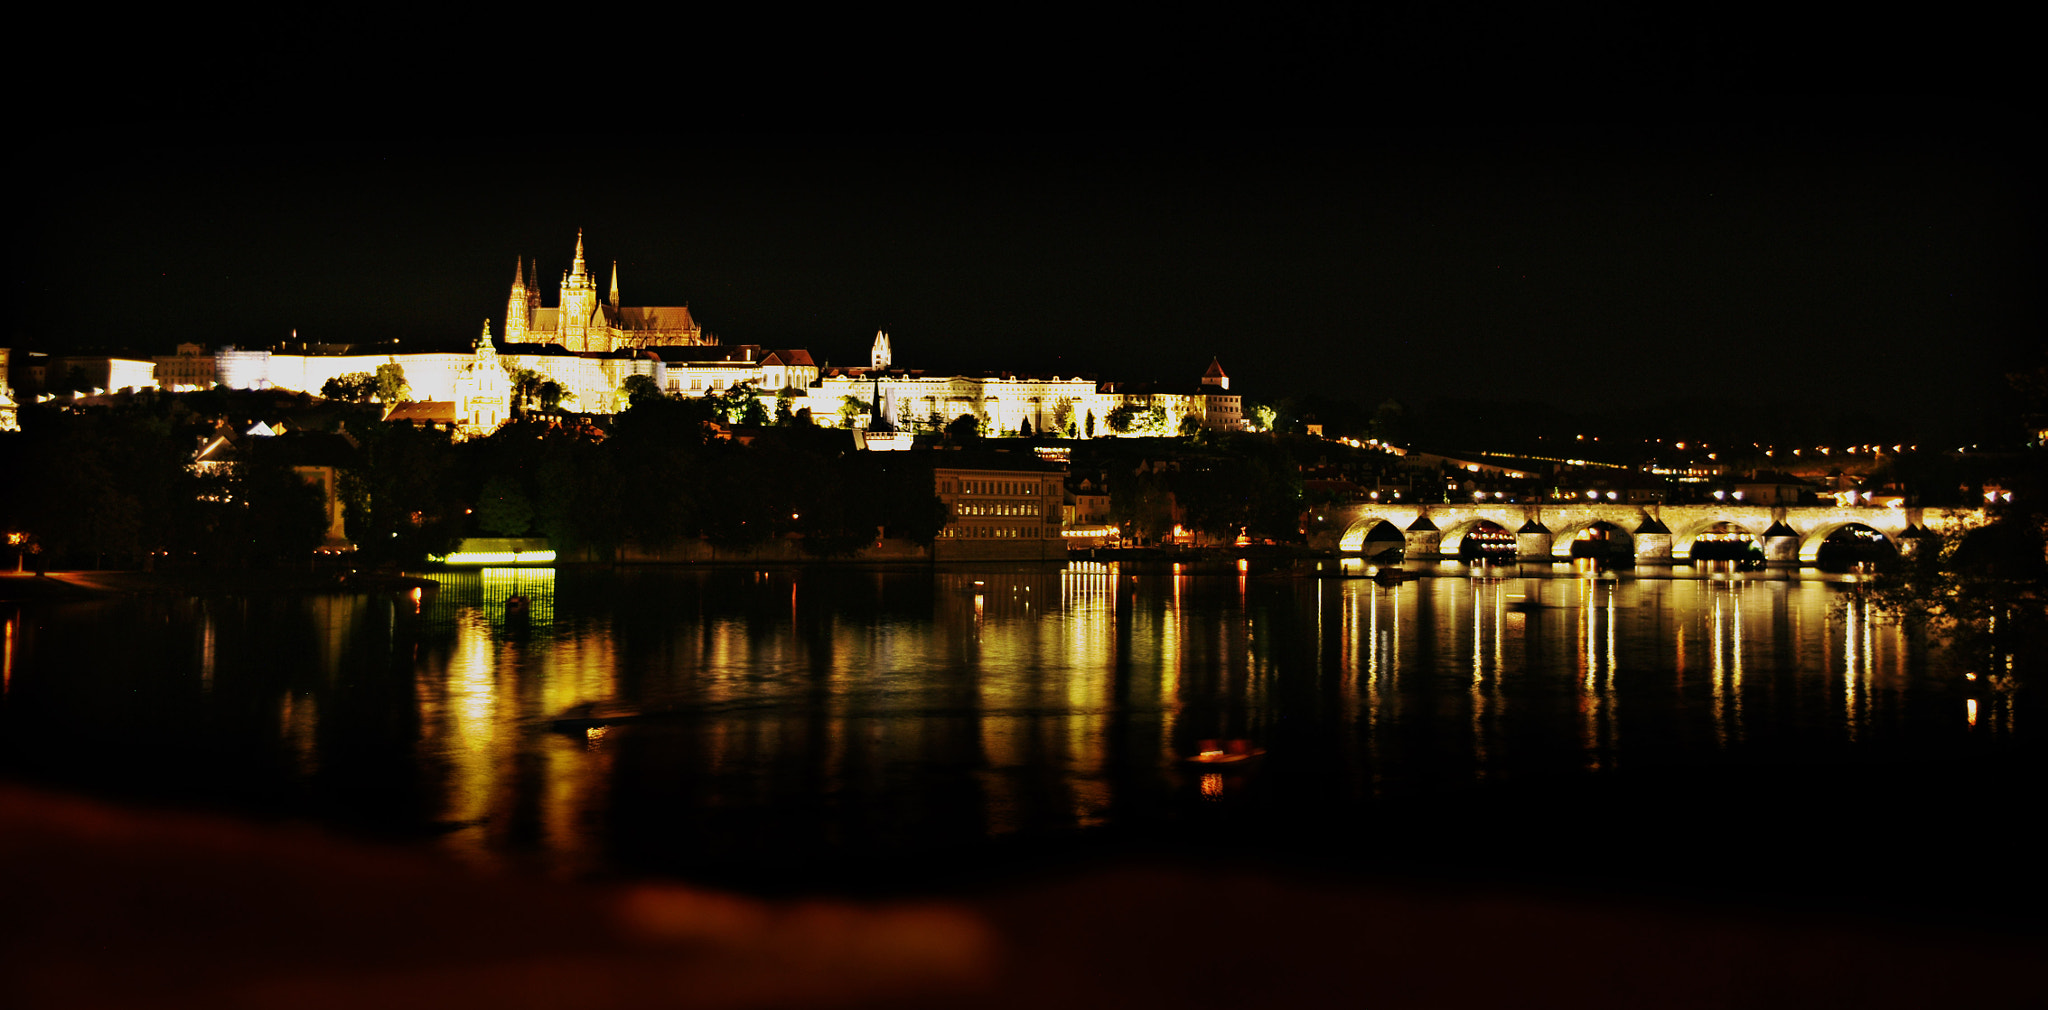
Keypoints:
pixel 615 284
pixel 519 274
pixel 577 270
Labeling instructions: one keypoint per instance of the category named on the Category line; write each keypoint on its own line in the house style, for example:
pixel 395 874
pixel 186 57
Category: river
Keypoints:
pixel 817 727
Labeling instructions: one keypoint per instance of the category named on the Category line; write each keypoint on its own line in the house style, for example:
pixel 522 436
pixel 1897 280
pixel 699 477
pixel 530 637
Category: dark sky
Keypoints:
pixel 1529 227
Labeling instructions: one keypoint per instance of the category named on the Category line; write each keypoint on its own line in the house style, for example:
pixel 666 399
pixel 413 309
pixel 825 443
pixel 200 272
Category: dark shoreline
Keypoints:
pixel 87 585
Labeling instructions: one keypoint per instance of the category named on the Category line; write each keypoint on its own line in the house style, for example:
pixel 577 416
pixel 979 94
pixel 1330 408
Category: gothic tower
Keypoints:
pixel 518 309
pixel 878 355
pixel 615 284
pixel 578 304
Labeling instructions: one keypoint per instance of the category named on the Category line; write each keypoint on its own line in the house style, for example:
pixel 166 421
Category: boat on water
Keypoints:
pixel 1217 755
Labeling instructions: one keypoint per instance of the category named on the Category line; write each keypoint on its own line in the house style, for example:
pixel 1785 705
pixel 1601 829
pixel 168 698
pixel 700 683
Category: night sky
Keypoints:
pixel 1525 229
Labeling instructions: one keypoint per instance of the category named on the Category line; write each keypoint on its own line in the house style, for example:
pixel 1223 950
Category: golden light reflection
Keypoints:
pixel 1971 708
pixel 1725 630
pixel 1489 608
pixel 1598 660
pixel 1212 786
pixel 206 649
pixel 297 724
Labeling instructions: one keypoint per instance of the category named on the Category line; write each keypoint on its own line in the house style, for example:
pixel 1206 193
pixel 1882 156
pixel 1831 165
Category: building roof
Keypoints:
pixel 651 317
pixel 709 354
pixel 423 412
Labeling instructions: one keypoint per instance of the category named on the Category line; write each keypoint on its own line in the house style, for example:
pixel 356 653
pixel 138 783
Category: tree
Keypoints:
pixel 502 509
pixel 391 385
pixel 1090 429
pixel 850 410
pixel 400 502
pixel 354 387
pixel 740 404
pixel 964 430
pixel 525 386
pixel 551 394
pixel 1142 504
pixel 639 388
pixel 1063 416
pixel 1131 419
pixel 1986 586
pixel 1190 426
pixel 270 515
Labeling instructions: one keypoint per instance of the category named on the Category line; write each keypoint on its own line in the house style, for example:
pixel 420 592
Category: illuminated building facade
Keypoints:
pixel 9 415
pixel 589 345
pixel 191 368
pixel 999 514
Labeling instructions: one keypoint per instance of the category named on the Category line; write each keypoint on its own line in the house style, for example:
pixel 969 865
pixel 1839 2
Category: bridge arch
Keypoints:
pixel 1810 544
pixel 1738 538
pixel 1567 541
pixel 1457 527
pixel 1459 540
pixel 1368 527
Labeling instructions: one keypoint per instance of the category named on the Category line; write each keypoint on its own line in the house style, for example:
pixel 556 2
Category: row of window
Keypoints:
pixel 994 487
pixel 993 532
pixel 995 510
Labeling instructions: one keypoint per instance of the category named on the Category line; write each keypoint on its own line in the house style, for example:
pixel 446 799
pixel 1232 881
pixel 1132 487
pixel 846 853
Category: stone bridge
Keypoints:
pixel 1658 534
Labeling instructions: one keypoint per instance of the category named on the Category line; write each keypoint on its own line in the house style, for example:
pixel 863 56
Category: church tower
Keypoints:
pixel 615 284
pixel 878 355
pixel 518 308
pixel 579 303
pixel 486 352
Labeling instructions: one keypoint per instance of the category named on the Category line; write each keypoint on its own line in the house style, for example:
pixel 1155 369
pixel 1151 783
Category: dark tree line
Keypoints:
pixel 116 485
pixel 1224 484
pixel 112 486
pixel 662 474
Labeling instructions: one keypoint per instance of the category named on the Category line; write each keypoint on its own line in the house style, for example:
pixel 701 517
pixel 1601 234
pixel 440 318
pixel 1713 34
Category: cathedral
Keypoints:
pixel 582 323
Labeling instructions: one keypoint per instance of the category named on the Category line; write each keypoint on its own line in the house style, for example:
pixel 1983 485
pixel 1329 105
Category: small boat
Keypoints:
pixel 1226 753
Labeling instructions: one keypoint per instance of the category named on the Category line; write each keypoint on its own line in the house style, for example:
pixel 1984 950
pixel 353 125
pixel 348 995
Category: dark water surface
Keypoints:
pixel 840 727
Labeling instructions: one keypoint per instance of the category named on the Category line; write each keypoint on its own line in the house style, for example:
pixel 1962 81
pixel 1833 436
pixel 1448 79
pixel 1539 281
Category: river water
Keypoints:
pixel 809 725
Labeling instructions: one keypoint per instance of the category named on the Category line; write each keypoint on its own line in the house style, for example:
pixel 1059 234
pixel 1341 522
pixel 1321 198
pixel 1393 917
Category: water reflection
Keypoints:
pixel 665 719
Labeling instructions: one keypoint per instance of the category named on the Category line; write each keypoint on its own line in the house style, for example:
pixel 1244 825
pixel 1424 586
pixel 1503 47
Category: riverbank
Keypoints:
pixel 24 587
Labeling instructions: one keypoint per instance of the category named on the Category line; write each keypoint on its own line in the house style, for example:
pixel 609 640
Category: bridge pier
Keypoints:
pixel 1424 540
pixel 1533 542
pixel 1653 542
pixel 1781 546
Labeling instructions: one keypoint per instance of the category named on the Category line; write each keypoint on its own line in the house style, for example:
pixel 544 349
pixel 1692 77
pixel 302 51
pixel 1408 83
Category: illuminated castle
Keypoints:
pixel 583 323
